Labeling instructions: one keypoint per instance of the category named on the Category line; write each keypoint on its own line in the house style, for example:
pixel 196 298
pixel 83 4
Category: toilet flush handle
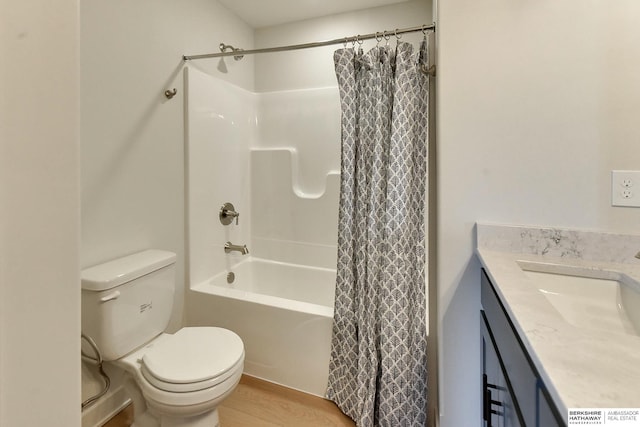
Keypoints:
pixel 111 296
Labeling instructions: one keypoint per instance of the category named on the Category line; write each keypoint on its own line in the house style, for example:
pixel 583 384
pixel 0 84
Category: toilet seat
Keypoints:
pixel 194 358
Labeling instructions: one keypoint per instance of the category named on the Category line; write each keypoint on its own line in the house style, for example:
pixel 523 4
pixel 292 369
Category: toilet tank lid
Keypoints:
pixel 122 270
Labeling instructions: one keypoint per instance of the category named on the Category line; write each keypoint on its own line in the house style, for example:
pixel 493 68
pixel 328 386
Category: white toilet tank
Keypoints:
pixel 127 302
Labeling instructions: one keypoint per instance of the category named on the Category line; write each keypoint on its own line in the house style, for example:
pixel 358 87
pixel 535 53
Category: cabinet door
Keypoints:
pixel 547 414
pixel 499 409
pixel 514 361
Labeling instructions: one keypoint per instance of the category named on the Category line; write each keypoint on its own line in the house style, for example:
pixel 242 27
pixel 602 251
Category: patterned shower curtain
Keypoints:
pixel 378 367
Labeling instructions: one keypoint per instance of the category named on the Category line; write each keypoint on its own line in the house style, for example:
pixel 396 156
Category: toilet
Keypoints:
pixel 183 377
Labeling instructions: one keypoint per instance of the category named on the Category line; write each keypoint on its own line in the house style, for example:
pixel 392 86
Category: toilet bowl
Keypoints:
pixel 183 377
pixel 187 374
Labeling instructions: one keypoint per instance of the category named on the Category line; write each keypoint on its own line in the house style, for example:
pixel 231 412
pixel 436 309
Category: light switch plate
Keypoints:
pixel 625 188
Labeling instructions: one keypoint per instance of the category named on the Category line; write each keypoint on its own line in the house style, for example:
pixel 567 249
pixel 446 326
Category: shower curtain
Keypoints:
pixel 378 366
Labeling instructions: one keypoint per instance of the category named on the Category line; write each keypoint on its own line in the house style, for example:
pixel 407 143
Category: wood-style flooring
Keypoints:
pixel 123 419
pixel 258 403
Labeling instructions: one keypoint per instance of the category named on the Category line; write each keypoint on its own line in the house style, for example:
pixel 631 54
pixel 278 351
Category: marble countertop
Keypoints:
pixel 581 367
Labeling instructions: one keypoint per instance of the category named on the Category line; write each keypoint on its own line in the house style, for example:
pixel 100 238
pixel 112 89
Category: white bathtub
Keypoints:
pixel 283 313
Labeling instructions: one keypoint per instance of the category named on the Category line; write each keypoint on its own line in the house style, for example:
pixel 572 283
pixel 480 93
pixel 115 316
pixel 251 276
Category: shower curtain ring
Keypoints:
pixel 358 40
pixel 396 34
pixel 378 38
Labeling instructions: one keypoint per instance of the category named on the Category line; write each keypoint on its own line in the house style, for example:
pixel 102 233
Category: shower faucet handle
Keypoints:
pixel 227 213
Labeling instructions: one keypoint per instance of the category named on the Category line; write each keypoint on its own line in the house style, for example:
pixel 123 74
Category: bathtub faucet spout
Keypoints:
pixel 230 247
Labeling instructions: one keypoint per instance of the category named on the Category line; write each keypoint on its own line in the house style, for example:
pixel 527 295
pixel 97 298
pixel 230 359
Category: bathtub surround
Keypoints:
pixel 308 122
pixel 286 215
pixel 284 286
pixel 378 367
pixel 288 209
pixel 300 225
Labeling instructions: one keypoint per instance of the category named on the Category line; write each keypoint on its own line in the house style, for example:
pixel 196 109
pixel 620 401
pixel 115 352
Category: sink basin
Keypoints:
pixel 586 298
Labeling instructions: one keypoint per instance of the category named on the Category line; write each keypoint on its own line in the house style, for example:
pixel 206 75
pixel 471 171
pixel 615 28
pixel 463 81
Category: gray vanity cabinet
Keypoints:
pixel 512 393
pixel 498 407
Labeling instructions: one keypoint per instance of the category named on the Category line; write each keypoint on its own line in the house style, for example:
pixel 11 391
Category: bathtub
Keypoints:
pixel 283 313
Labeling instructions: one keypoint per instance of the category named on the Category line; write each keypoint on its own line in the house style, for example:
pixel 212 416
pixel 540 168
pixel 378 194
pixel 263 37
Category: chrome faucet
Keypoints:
pixel 230 247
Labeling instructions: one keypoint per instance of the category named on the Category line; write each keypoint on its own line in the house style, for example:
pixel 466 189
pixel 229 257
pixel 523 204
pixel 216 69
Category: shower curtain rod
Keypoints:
pixel 227 50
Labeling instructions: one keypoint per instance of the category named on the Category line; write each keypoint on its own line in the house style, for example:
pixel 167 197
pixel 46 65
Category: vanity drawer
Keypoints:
pixel 518 369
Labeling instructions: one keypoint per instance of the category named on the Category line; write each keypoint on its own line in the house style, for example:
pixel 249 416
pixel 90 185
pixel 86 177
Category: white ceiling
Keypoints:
pixel 263 13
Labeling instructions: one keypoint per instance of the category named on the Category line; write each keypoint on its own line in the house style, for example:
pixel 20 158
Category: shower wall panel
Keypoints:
pixel 288 225
pixel 309 121
pixel 276 157
pixel 220 127
pixel 295 176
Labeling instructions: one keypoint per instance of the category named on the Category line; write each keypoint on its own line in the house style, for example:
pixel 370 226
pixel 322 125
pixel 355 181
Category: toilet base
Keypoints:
pixel 208 419
pixel 149 412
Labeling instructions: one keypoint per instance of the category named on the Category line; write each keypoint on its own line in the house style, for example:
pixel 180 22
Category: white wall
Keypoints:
pixel 313 68
pixel 39 216
pixel 132 137
pixel 537 102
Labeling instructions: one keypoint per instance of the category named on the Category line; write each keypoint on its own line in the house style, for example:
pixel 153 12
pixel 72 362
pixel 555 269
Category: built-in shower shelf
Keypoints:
pixel 280 213
pixel 285 161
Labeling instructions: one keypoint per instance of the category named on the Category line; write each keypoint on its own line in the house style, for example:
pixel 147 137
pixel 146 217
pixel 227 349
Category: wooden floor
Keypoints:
pixel 123 419
pixel 257 403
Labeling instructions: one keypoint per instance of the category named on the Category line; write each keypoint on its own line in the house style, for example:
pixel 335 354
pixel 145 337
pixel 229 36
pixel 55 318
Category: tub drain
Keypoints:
pixel 230 277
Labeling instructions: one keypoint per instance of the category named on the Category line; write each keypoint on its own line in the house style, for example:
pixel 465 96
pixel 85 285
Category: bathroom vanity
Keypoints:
pixel 560 323
pixel 513 394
